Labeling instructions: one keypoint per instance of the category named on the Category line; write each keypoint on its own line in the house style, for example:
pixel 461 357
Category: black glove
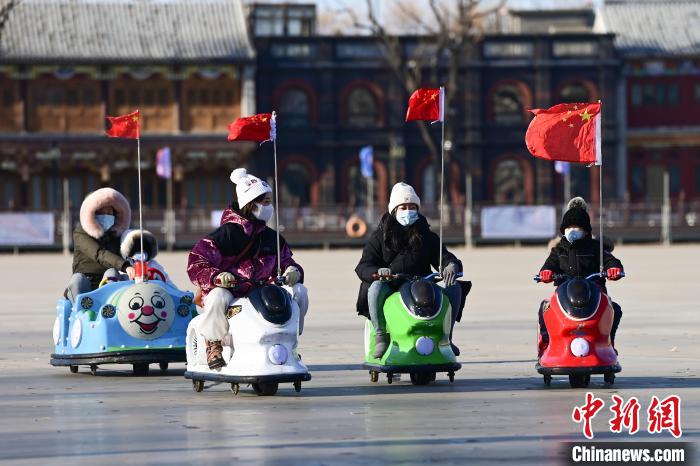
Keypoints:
pixel 449 274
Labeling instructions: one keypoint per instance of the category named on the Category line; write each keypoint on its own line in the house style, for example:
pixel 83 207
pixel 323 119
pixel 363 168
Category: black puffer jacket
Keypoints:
pixel 580 259
pixel 379 252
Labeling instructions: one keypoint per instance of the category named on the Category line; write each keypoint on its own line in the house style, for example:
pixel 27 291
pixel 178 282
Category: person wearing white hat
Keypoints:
pixel 402 243
pixel 240 254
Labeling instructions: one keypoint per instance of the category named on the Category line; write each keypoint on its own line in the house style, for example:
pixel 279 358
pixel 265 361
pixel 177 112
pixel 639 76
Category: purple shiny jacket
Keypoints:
pixel 206 260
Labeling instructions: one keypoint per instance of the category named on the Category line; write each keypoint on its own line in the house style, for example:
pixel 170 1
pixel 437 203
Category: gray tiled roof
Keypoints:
pixel 125 30
pixel 652 27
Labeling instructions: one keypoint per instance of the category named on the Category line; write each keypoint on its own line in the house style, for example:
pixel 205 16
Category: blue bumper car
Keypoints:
pixel 123 322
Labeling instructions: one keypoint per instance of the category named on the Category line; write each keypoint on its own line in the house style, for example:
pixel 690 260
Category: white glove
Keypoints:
pixel 224 280
pixel 291 276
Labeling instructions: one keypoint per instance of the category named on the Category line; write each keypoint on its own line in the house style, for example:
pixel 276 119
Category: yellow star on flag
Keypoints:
pixel 571 125
pixel 585 116
pixel 575 107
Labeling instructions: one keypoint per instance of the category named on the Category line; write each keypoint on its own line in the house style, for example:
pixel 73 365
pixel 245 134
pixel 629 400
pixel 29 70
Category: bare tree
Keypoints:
pixel 6 7
pixel 442 32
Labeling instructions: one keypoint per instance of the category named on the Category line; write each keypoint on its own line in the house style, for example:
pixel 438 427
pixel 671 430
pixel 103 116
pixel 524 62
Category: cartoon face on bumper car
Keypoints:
pixel 145 310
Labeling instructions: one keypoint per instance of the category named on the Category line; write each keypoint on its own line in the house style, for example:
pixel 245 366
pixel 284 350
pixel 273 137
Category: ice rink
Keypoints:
pixel 496 411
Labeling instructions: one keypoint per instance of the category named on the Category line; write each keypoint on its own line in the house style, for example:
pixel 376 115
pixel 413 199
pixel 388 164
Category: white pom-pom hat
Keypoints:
pixel 403 193
pixel 248 187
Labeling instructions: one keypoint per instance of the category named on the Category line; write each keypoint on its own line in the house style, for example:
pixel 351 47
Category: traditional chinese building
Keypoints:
pixel 336 94
pixel 659 42
pixel 65 65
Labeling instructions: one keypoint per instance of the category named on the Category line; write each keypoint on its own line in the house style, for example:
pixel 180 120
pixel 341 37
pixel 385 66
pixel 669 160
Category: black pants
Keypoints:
pixel 617 311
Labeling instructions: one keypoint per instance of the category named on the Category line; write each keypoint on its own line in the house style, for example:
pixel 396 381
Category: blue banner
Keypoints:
pixel 366 161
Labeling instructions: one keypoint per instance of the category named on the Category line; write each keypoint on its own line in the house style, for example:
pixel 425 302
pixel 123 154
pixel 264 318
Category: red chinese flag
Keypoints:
pixel 566 132
pixel 426 104
pixel 125 126
pixel 260 128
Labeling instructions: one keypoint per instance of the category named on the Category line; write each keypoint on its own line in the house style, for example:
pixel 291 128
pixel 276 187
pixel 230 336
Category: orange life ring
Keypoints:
pixel 356 227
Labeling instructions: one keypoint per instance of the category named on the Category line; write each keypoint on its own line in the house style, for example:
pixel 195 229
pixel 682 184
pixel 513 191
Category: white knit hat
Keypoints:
pixel 248 187
pixel 402 193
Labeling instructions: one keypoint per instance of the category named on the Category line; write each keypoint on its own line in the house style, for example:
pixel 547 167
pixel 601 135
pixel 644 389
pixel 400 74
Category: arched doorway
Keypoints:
pixel 508 102
pixel 298 182
pixel 511 181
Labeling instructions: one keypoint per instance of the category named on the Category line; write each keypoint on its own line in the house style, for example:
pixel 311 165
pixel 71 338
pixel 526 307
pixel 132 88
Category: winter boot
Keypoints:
pixel 214 358
pixel 381 344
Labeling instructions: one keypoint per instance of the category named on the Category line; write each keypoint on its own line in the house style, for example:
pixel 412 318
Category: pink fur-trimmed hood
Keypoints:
pixel 96 200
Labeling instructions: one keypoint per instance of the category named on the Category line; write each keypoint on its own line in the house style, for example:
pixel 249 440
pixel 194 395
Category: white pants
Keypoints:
pixel 214 324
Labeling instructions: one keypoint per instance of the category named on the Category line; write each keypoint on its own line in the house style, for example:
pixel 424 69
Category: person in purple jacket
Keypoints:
pixel 239 256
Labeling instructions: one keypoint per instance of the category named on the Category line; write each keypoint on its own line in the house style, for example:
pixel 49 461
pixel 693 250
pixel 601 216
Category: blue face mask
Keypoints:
pixel 406 217
pixel 105 221
pixel 574 234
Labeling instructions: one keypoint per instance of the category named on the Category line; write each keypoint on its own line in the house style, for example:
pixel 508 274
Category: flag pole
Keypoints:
pixel 599 152
pixel 273 124
pixel 442 168
pixel 138 168
pixel 600 213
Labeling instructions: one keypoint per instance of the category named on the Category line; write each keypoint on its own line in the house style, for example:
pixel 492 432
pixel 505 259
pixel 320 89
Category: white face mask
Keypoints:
pixel 574 234
pixel 105 221
pixel 406 217
pixel 263 212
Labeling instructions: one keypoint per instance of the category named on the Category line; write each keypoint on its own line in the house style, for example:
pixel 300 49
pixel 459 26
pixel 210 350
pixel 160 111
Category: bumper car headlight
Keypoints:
pixel 277 354
pixel 76 333
pixel 56 330
pixel 580 347
pixel 425 346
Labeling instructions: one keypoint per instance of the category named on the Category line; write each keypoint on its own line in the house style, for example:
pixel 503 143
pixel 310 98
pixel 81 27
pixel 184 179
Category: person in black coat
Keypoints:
pixel 577 254
pixel 402 243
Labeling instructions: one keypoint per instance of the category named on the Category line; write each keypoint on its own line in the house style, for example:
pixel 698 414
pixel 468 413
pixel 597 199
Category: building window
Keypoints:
pixel 358 51
pixel 636 95
pixel 10 183
pixel 292 50
pixel 697 93
pixel 573 93
pixel 672 94
pixel 294 108
pixel 301 20
pixel 508 49
pixel 209 191
pixel 507 105
pixel 648 95
pixel 269 21
pixel 509 182
pixel 574 49
pixel 363 109
pixel 284 20
pixel 661 94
